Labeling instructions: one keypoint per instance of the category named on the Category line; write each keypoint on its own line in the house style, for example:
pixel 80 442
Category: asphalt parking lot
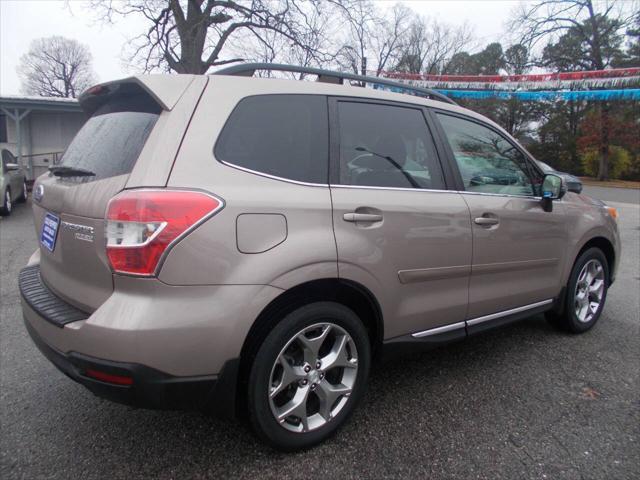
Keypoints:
pixel 522 402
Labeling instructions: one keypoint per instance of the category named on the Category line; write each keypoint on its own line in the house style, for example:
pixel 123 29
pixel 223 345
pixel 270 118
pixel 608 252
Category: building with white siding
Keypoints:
pixel 38 129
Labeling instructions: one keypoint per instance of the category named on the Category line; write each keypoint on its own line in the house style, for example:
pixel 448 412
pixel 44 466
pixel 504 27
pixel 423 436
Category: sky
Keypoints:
pixel 22 21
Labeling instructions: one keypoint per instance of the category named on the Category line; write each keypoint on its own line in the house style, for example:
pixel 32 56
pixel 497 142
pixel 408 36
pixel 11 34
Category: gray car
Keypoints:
pixel 250 245
pixel 13 184
pixel 574 184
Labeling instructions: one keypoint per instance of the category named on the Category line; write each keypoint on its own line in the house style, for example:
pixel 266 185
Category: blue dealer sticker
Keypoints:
pixel 49 231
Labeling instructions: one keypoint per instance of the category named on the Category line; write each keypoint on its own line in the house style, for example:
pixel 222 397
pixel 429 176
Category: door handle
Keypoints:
pixel 486 221
pixel 362 217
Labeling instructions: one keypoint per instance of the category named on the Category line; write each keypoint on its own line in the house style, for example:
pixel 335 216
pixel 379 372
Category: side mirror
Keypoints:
pixel 12 167
pixel 553 188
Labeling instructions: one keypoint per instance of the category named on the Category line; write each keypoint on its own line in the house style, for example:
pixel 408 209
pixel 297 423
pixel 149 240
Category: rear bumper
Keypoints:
pixel 178 345
pixel 44 302
pixel 149 388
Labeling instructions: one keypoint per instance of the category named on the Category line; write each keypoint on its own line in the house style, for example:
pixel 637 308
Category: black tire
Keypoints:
pixel 568 320
pixel 25 193
pixel 262 419
pixel 7 207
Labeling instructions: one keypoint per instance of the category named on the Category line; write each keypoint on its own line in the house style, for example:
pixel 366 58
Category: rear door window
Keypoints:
pixel 281 135
pixel 386 146
pixel 110 142
pixel 7 157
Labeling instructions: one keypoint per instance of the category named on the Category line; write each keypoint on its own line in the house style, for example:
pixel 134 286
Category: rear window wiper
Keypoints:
pixel 66 171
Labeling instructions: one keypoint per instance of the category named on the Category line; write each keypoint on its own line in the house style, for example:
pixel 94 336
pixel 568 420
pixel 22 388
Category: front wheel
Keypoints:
pixel 308 375
pixel 586 293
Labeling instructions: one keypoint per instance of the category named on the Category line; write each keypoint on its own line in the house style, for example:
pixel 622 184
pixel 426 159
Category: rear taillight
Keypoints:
pixel 143 224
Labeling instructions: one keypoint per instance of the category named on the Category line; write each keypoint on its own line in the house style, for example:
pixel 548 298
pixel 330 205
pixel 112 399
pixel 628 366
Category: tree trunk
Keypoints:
pixel 603 168
pixel 364 69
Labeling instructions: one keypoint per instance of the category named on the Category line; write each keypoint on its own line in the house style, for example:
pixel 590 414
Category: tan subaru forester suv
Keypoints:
pixel 249 245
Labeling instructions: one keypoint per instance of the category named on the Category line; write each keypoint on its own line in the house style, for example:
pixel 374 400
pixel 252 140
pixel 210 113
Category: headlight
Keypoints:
pixel 613 213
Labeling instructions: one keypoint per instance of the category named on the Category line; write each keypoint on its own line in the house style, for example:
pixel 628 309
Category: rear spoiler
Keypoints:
pixel 163 90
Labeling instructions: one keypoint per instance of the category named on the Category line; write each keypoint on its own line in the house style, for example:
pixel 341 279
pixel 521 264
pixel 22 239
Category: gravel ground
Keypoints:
pixel 522 402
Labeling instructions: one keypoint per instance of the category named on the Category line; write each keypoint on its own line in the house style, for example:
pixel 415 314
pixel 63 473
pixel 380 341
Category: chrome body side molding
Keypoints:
pixel 437 330
pixel 485 318
pixel 505 313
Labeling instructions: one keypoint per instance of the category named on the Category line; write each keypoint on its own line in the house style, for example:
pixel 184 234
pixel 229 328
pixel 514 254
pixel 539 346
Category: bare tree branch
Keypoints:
pixel 189 36
pixel 56 67
pixel 430 45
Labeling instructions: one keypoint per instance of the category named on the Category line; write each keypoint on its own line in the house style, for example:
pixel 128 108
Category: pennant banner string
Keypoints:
pixel 536 95
pixel 536 77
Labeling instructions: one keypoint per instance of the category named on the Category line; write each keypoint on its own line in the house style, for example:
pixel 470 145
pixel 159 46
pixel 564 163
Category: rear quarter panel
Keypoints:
pixel 210 255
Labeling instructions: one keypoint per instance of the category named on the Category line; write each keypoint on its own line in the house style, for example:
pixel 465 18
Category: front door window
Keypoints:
pixel 488 162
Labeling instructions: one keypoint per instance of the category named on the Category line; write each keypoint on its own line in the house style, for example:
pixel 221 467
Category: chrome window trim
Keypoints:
pixel 437 330
pixel 504 313
pixel 371 187
pixel 402 189
pixel 506 195
pixel 489 194
pixel 339 185
pixel 273 177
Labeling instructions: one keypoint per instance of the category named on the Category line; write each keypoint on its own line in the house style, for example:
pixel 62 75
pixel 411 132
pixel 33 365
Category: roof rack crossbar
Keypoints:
pixel 248 69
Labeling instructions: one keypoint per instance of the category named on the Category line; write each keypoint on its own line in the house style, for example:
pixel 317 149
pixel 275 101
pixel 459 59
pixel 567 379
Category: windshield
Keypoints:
pixel 545 167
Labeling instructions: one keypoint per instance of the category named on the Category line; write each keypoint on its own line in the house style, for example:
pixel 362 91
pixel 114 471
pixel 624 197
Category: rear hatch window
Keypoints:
pixel 110 142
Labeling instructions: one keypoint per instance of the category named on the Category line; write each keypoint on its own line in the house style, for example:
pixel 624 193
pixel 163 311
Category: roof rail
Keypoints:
pixel 329 76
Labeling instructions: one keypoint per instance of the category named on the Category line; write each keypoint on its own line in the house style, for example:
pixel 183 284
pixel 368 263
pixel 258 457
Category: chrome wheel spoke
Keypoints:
pixel 597 289
pixel 590 273
pixel 338 356
pixel 581 310
pixel 290 374
pixel 296 407
pixel 583 276
pixel 328 395
pixel 311 346
pixel 598 270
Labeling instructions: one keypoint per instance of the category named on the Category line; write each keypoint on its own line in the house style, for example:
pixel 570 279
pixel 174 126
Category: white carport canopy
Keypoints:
pixel 18 108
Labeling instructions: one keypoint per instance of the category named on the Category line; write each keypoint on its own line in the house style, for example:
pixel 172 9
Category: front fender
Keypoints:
pixel 589 226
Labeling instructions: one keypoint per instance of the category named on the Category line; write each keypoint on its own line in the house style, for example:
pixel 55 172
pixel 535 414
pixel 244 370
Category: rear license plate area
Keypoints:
pixel 49 232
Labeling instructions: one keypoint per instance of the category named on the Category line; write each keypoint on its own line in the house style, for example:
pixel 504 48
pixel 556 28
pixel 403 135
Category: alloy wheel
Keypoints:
pixel 313 377
pixel 589 290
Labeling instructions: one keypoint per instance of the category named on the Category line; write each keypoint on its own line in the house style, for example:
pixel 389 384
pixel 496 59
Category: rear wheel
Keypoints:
pixel 586 293
pixel 25 193
pixel 7 206
pixel 308 375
